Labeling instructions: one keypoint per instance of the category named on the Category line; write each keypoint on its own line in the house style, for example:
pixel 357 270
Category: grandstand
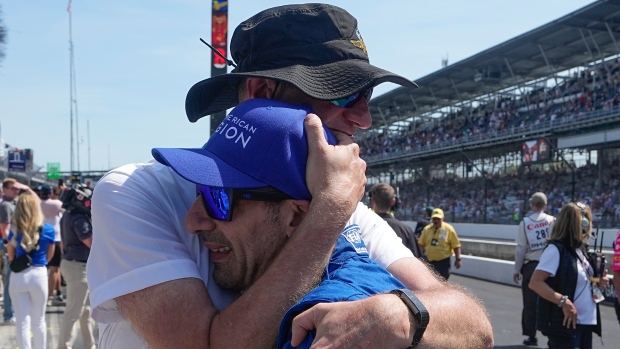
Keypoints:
pixel 456 141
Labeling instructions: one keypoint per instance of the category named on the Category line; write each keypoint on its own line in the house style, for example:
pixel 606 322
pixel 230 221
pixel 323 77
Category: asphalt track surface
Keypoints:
pixel 504 304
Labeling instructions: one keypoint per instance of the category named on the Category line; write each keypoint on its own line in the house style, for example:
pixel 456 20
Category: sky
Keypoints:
pixel 136 60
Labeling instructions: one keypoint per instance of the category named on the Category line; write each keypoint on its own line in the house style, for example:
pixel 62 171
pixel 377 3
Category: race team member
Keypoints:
pixel 146 267
pixel 382 199
pixel 531 241
pixel 270 206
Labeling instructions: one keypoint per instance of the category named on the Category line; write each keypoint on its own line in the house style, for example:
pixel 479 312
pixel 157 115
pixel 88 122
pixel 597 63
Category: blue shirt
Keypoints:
pixel 349 275
pixel 74 228
pixel 39 258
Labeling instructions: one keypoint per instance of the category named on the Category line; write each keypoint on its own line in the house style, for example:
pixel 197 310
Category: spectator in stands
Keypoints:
pixel 30 235
pixel 382 199
pixel 567 312
pixel 438 242
pixel 531 240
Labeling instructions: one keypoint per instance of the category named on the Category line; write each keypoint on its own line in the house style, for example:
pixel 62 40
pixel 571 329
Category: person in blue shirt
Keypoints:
pixel 248 205
pixel 28 288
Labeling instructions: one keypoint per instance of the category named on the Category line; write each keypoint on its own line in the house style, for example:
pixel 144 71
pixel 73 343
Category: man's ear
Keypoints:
pixel 297 210
pixel 393 202
pixel 260 87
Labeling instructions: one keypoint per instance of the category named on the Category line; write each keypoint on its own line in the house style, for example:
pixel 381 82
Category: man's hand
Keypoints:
pixel 334 173
pixel 516 277
pixel 381 321
pixel 457 264
pixel 23 187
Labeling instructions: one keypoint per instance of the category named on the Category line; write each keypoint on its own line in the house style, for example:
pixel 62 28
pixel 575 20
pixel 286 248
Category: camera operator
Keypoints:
pixel 76 230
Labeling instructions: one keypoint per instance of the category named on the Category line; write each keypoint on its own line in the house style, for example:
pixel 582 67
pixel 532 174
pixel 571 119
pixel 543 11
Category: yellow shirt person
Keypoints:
pixel 439 241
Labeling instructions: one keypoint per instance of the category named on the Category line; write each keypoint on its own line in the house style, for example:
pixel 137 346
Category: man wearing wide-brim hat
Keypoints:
pixel 311 55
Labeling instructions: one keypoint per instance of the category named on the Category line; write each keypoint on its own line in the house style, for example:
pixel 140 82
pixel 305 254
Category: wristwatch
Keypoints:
pixel 417 309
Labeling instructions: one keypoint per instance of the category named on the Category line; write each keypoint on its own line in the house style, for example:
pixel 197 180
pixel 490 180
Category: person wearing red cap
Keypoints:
pixel 318 59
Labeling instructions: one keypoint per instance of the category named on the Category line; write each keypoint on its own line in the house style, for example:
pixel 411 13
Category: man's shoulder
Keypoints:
pixel 151 177
pixel 401 224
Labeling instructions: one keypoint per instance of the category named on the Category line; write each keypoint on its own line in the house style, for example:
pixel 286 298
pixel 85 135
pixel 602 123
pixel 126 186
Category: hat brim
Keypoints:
pixel 203 167
pixel 437 216
pixel 325 82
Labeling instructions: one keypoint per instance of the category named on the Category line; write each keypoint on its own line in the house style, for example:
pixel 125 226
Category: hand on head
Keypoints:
pixel 336 173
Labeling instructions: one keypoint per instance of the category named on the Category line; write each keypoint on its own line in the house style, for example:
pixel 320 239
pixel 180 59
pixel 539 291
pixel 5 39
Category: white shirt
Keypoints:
pixel 523 251
pixel 584 303
pixel 52 211
pixel 139 240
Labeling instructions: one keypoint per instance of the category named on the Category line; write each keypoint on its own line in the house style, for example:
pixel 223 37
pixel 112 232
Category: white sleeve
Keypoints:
pixel 549 260
pixel 384 246
pixel 138 235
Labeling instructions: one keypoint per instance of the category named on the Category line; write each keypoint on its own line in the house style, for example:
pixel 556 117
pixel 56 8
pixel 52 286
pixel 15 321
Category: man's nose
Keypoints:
pixel 197 219
pixel 359 114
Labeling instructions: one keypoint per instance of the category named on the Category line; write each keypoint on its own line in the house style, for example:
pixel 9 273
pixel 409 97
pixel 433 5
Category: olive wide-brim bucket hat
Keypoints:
pixel 316 47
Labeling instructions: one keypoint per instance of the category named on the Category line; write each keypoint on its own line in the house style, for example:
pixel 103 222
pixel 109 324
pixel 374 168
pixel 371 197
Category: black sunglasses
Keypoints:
pixel 350 101
pixel 218 202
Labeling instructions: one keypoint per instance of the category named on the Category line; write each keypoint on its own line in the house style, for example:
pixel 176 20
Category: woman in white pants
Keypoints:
pixel 28 288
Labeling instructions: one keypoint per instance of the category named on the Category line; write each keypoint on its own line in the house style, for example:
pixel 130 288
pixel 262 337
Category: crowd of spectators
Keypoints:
pixel 595 88
pixel 463 199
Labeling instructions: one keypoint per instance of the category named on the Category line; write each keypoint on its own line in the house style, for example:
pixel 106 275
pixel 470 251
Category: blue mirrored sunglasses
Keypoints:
pixel 350 101
pixel 218 202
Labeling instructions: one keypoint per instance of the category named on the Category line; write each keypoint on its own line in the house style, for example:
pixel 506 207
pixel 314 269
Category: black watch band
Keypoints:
pixel 417 309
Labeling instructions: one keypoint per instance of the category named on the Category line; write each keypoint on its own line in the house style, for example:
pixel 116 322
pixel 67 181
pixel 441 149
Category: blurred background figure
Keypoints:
pixel 438 242
pixel 52 212
pixel 10 189
pixel 28 289
pixel 532 235
pixel 382 199
pixel 76 229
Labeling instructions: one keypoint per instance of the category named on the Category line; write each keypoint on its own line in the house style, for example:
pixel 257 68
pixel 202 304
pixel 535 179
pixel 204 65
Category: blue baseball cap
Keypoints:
pixel 261 142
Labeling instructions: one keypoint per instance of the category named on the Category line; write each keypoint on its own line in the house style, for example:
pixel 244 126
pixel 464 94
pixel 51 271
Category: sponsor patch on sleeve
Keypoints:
pixel 354 237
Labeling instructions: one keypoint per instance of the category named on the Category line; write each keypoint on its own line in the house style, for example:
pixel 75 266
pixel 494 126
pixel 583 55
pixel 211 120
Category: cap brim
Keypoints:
pixel 203 167
pixel 436 216
pixel 326 82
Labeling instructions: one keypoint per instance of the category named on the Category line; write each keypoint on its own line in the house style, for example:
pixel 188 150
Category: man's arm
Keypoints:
pixel 520 251
pixel 336 179
pixel 457 318
pixel 5 221
pixel 457 256
pixel 6 228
